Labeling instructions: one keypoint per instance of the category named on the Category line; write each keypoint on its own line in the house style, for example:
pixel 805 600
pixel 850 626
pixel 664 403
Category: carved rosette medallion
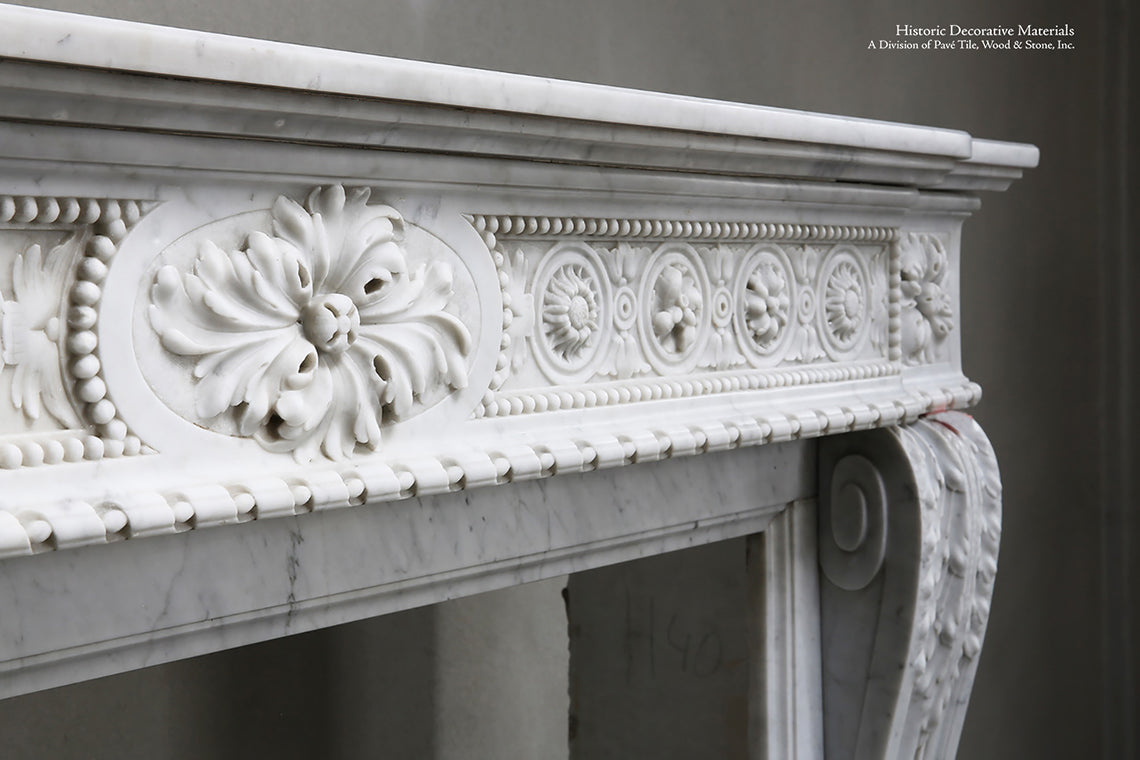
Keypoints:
pixel 765 303
pixel 721 308
pixel 845 303
pixel 675 319
pixel 572 309
pixel 313 337
pixel 625 308
pixel 844 314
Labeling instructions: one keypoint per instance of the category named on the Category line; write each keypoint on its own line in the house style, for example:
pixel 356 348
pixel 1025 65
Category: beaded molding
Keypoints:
pixel 492 227
pixel 654 389
pixel 103 223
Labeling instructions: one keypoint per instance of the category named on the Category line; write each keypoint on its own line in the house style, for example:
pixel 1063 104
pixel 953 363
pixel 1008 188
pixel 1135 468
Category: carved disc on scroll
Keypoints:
pixel 853 524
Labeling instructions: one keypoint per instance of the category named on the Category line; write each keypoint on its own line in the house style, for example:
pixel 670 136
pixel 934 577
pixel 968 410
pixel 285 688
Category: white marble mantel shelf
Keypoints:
pixel 372 306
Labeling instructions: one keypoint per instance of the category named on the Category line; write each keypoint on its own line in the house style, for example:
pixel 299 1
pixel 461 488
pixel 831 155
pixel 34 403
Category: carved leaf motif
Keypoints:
pixel 624 262
pixel 521 305
pixel 721 352
pixel 806 347
pixel 625 359
pixel 317 335
pixel 930 537
pixel 31 333
pixel 960 494
pixel 805 262
pixel 721 263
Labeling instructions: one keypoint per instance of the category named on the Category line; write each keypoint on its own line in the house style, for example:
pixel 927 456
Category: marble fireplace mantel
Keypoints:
pixel 292 337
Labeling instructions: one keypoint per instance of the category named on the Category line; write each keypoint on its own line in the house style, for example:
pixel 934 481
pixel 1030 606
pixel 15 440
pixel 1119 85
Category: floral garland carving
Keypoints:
pixel 927 315
pixel 316 336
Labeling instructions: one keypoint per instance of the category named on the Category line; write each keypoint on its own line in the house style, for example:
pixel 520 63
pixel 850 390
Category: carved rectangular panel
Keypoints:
pixel 612 311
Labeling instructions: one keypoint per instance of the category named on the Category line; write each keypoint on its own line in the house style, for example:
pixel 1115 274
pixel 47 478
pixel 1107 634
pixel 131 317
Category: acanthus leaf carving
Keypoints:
pixel 317 335
pixel 32 329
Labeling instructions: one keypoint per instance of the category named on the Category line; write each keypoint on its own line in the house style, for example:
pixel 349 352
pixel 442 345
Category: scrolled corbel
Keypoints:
pixel 910 521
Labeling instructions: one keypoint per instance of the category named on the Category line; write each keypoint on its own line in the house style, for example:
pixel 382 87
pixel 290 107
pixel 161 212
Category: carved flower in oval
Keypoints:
pixel 844 302
pixel 677 305
pixel 767 303
pixel 570 313
pixel 318 334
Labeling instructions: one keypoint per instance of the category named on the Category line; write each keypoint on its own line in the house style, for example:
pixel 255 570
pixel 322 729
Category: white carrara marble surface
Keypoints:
pixel 99 610
pixel 582 119
pixel 244 285
pixel 37 35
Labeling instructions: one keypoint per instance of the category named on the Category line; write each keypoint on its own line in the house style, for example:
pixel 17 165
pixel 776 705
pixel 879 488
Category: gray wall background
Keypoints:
pixel 1049 331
